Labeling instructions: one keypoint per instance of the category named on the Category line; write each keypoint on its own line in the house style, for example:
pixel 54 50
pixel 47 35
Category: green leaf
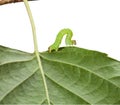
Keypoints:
pixel 74 76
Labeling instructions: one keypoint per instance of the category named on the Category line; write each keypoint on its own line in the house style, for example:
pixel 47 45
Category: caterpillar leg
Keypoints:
pixel 51 48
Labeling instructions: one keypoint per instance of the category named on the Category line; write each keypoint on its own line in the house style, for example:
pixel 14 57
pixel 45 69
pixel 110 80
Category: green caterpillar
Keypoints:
pixel 59 37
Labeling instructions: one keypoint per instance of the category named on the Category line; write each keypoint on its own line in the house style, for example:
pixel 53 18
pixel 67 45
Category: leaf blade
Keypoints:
pixel 74 76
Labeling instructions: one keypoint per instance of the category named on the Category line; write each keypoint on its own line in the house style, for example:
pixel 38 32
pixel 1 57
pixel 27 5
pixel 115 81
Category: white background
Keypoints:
pixel 95 24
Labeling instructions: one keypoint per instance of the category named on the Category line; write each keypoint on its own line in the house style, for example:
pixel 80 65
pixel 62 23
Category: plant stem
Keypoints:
pixel 36 49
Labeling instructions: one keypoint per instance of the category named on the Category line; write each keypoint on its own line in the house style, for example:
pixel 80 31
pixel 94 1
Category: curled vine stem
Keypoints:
pixel 36 49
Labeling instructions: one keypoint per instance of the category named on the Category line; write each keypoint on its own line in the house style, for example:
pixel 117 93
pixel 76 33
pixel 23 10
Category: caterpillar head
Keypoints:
pixel 74 42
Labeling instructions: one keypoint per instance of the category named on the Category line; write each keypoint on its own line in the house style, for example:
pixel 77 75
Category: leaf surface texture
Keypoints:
pixel 74 76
